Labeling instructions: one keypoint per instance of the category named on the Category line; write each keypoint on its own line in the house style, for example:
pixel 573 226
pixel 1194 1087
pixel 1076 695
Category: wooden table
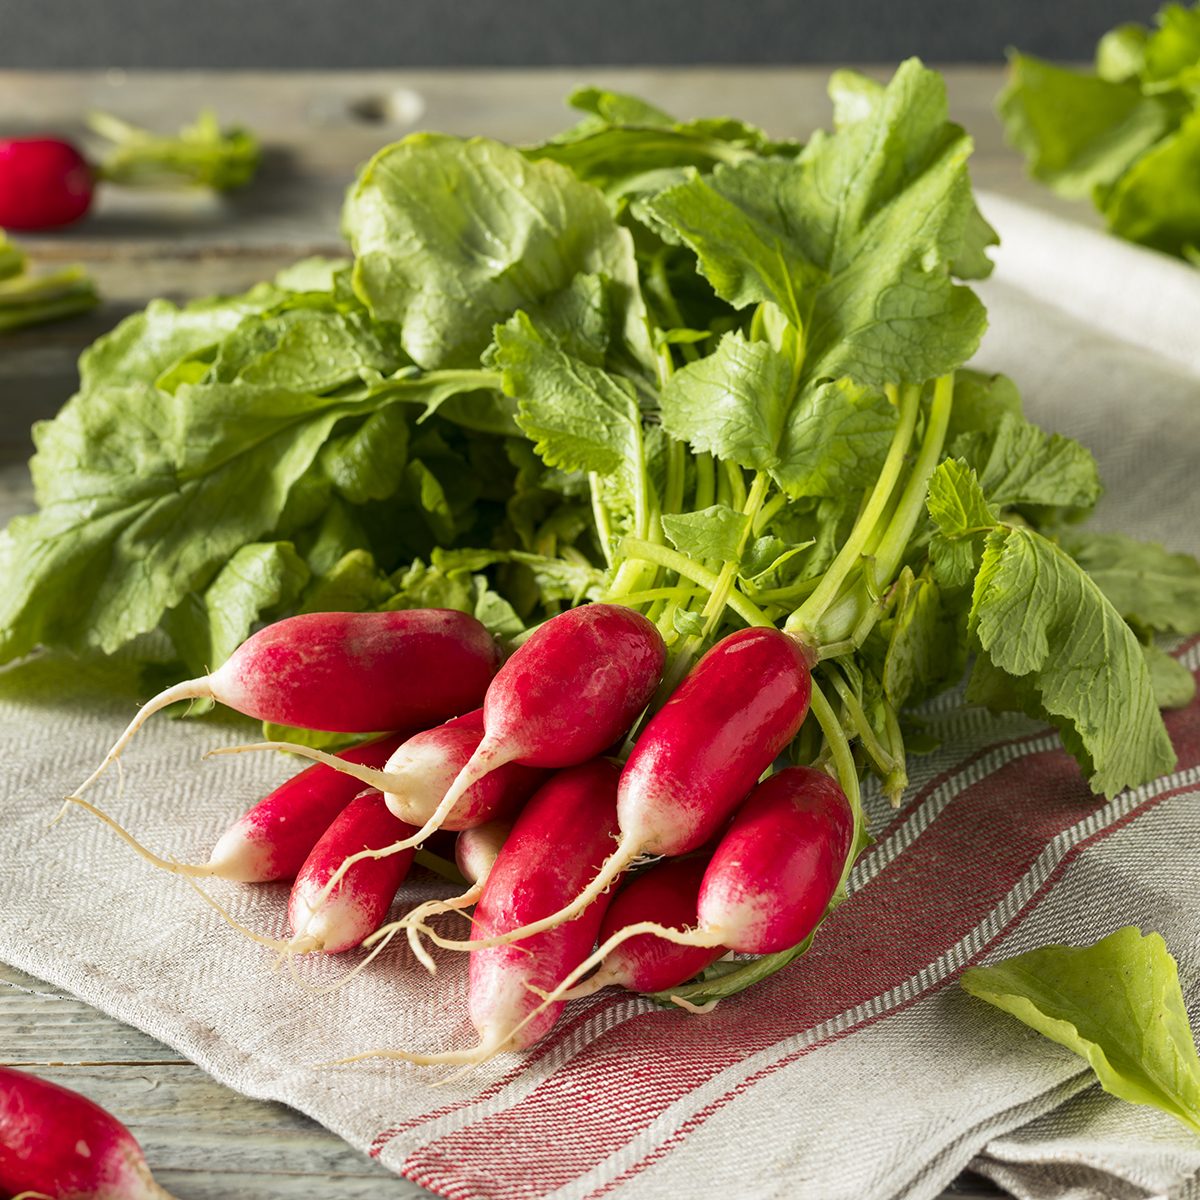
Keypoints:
pixel 206 1142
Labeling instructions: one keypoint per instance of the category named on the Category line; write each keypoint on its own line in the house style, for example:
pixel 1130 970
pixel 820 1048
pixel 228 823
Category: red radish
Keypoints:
pixel 770 880
pixel 700 754
pixel 560 839
pixel 776 869
pixel 567 694
pixel 666 893
pixel 55 1142
pixel 424 767
pixel 333 921
pixel 419 774
pixel 475 852
pixel 273 839
pixel 44 182
pixel 346 673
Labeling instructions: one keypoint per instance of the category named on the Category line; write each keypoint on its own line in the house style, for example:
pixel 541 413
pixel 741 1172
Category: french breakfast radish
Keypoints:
pixel 423 768
pixel 666 893
pixel 332 920
pixel 345 673
pixel 55 1142
pixel 44 183
pixel 770 880
pixel 567 694
pixel 699 755
pixel 558 842
pixel 419 774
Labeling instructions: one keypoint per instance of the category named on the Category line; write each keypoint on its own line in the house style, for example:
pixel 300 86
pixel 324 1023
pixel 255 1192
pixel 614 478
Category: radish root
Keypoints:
pixel 189 689
pixel 200 870
pixel 489 1048
pixel 414 925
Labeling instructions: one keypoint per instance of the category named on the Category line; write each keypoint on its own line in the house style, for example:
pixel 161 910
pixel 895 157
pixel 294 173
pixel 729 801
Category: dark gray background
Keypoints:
pixel 432 33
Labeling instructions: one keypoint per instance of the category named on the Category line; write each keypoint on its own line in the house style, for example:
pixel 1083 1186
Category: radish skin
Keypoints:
pixel 567 694
pixel 58 1143
pixel 44 183
pixel 427 764
pixel 771 877
pixel 271 841
pixel 344 673
pixel 558 842
pixel 699 755
pixel 420 772
pixel 337 919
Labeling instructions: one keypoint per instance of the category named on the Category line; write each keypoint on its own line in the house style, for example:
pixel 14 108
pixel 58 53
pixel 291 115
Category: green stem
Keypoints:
pixel 768 511
pixel 805 619
pixel 600 516
pixel 649 595
pixel 672 560
pixel 737 485
pixel 847 774
pixel 884 762
pixel 706 481
pixel 912 500
pixel 676 475
pixel 714 608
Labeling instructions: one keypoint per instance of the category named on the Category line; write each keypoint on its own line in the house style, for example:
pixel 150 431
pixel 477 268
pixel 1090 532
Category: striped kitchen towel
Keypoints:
pixel 862 1071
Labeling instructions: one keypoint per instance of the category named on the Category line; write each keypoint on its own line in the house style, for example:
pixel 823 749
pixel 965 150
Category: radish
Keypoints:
pixel 475 852
pixel 346 673
pixel 333 920
pixel 565 695
pixel 699 755
pixel 57 1143
pixel 558 842
pixel 770 880
pixel 667 893
pixel 424 767
pixel 44 182
pixel 419 774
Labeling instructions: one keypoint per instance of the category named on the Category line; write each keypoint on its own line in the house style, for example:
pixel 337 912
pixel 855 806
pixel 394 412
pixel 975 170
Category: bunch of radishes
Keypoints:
pixel 548 819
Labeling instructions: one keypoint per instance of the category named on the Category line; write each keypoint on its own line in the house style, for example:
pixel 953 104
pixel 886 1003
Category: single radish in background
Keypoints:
pixel 558 842
pixel 345 673
pixel 44 183
pixel 698 756
pixel 57 1143
pixel 567 694
pixel 770 879
pixel 47 182
pixel 331 920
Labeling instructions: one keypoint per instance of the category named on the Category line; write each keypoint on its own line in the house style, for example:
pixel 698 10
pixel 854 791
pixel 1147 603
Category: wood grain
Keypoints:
pixel 205 1141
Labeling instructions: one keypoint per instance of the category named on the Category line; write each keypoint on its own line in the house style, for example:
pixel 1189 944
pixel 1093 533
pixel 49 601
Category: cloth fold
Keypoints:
pixel 862 1072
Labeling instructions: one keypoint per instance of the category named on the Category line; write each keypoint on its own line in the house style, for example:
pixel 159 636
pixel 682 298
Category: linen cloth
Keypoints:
pixel 861 1072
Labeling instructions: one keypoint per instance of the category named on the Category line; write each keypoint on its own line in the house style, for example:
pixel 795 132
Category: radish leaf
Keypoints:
pixel 1117 1004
